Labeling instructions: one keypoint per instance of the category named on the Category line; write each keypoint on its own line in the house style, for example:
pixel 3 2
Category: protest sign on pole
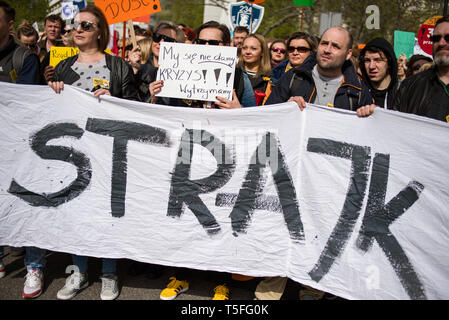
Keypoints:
pixel 424 33
pixel 196 72
pixel 404 43
pixel 357 208
pixel 119 11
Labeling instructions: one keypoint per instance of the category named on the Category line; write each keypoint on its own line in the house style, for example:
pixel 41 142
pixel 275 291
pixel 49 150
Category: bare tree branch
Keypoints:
pixel 279 22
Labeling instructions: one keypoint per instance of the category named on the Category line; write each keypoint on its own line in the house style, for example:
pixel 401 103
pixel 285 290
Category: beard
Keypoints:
pixel 441 61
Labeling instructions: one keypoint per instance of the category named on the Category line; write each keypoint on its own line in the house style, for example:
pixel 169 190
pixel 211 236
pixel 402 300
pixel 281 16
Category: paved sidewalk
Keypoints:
pixel 202 283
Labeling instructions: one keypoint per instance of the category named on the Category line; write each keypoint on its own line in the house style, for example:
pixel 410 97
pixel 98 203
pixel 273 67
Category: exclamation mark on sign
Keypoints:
pixel 217 74
pixel 204 75
pixel 228 76
pixel 155 5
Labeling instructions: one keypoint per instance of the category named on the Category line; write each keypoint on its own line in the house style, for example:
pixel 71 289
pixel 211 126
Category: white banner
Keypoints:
pixel 196 72
pixel 355 207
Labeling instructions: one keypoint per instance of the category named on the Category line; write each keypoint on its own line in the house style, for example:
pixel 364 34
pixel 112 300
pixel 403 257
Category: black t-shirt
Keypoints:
pixel 379 97
pixel 440 102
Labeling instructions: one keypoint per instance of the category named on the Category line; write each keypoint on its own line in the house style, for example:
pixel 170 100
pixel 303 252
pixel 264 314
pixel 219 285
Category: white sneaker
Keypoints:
pixel 109 288
pixel 33 284
pixel 2 269
pixel 76 282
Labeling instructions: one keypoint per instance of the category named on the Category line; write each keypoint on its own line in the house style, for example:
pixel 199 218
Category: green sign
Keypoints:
pixel 404 43
pixel 303 2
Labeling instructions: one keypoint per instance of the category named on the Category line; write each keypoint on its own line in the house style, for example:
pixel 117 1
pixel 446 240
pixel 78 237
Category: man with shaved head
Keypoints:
pixel 326 78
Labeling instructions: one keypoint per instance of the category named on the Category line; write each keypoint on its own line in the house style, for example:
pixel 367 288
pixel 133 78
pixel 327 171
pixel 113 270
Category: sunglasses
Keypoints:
pixel 278 50
pixel 211 42
pixel 300 49
pixel 31 45
pixel 64 31
pixel 85 25
pixel 416 67
pixel 437 37
pixel 158 37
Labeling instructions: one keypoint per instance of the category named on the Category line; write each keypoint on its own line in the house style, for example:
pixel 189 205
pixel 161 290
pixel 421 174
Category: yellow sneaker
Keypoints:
pixel 221 293
pixel 174 288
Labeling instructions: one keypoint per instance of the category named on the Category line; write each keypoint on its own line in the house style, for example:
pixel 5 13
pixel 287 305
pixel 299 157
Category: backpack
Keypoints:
pixel 18 58
pixel 14 62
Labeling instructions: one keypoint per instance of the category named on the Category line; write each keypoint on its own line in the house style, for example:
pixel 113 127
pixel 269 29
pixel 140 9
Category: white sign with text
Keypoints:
pixel 196 72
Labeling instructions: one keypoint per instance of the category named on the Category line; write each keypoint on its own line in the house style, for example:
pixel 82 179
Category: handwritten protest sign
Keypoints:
pixel 123 10
pixel 196 72
pixel 57 54
pixel 404 43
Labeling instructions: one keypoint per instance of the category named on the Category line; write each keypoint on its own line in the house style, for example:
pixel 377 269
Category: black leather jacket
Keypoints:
pixel 351 95
pixel 421 94
pixel 122 84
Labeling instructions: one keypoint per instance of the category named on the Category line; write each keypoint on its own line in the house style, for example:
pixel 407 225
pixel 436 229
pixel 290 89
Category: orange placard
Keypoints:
pixel 254 1
pixel 145 19
pixel 123 10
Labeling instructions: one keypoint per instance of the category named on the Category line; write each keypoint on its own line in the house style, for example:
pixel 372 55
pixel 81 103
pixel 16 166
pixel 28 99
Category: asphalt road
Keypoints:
pixel 139 287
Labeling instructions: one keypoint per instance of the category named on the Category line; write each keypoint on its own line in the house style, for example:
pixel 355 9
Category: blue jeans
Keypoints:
pixel 34 258
pixel 109 265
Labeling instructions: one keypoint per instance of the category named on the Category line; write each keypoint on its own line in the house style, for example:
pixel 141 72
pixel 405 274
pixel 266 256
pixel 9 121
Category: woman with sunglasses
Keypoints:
pixel 112 74
pixel 67 36
pixel 300 45
pixel 101 73
pixel 415 63
pixel 278 52
pixel 164 32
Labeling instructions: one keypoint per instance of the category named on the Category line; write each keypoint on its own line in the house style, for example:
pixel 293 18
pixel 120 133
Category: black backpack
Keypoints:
pixel 14 61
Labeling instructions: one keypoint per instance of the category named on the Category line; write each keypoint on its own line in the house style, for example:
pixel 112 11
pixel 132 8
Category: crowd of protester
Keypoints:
pixel 331 70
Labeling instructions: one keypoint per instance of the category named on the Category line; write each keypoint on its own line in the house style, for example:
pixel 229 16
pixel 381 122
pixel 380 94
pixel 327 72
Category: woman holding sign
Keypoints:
pixel 103 74
pixel 93 69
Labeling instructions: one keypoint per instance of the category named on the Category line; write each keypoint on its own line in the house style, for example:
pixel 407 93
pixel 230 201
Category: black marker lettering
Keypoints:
pixel 122 132
pixel 379 216
pixel 39 145
pixel 360 162
pixel 183 190
pixel 251 193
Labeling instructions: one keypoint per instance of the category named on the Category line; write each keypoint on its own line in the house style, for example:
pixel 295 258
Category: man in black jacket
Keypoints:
pixel 380 69
pixel 326 78
pixel 426 93
pixel 17 64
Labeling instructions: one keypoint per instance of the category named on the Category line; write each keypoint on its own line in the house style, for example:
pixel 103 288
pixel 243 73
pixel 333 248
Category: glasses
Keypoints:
pixel 158 37
pixel 211 42
pixel 30 45
pixel 292 49
pixel 64 31
pixel 85 25
pixel 278 50
pixel 416 67
pixel 437 37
